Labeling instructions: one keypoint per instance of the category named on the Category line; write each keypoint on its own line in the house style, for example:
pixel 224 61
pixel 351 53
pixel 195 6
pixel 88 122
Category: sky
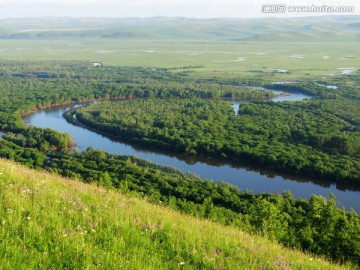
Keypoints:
pixel 150 8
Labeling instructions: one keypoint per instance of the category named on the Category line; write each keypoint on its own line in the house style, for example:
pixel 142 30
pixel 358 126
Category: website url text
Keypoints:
pixel 281 8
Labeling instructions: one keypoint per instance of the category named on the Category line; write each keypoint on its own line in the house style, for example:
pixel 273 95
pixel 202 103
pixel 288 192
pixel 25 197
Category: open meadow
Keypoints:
pixel 276 61
pixel 277 48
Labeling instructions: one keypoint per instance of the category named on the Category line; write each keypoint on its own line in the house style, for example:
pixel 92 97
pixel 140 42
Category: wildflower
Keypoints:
pixel 65 235
pixel 311 259
pixel 181 263
pixel 28 218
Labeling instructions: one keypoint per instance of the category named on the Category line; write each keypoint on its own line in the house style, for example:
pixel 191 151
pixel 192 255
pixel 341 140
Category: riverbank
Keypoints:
pixel 183 126
pixel 257 179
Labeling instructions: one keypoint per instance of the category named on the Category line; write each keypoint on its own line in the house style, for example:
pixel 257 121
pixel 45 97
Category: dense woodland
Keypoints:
pixel 296 137
pixel 285 135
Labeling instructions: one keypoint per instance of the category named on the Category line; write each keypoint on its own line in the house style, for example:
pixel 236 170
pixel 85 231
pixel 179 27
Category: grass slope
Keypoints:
pixel 48 222
pixel 314 28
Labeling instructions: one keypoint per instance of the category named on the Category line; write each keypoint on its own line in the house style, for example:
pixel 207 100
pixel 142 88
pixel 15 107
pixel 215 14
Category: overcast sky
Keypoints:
pixel 147 8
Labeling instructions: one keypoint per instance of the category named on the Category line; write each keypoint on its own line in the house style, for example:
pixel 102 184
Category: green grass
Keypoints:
pixel 325 43
pixel 215 58
pixel 48 222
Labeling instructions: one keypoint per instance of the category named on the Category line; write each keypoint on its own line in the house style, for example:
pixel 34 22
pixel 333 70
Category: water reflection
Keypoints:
pixel 242 176
pixel 281 96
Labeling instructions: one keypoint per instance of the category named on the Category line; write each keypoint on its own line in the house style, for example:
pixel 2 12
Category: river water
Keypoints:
pixel 244 177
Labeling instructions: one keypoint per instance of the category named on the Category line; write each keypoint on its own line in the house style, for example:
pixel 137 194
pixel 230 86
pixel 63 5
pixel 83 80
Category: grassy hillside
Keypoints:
pixel 324 28
pixel 47 222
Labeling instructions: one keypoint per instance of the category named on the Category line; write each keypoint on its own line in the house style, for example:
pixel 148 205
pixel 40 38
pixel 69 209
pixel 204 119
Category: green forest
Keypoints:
pixel 296 137
pixel 317 137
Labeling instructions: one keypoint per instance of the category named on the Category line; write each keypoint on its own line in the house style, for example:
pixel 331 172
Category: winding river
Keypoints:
pixel 245 178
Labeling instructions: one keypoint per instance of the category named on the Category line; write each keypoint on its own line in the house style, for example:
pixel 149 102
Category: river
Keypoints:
pixel 244 177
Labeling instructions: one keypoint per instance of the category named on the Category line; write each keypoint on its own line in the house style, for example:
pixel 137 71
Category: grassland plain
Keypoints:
pixel 273 60
pixel 279 49
pixel 48 222
pixel 275 49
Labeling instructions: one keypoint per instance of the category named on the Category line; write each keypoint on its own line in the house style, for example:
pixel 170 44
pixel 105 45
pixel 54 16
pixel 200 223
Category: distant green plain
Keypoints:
pixel 311 60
